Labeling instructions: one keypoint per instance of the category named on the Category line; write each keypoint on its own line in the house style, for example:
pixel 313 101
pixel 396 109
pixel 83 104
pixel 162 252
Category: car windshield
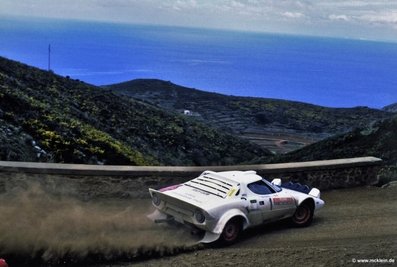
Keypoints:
pixel 275 187
pixel 260 187
pixel 263 187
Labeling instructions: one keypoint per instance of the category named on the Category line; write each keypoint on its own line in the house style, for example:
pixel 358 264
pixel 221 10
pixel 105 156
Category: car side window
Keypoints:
pixel 260 188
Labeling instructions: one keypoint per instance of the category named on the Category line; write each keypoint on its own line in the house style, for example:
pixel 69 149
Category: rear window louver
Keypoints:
pixel 211 185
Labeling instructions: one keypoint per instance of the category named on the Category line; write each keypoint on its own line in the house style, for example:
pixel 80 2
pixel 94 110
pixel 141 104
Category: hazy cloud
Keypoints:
pixel 389 17
pixel 339 17
pixel 377 19
pixel 293 14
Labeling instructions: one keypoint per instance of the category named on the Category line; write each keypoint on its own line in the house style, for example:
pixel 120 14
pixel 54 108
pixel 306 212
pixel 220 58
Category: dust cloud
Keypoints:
pixel 39 226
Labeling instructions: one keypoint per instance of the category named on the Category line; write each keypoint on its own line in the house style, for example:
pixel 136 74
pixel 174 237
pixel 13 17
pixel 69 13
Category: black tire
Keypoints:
pixel 303 215
pixel 231 231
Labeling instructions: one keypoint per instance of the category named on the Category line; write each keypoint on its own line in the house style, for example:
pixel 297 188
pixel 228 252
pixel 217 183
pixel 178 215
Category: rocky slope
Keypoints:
pixel 51 118
pixel 378 139
pixel 391 108
pixel 16 144
pixel 278 125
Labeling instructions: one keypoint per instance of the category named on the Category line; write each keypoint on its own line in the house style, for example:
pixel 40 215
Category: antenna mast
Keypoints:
pixel 49 57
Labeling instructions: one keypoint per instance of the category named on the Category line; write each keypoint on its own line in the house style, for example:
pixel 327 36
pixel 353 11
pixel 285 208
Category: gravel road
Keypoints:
pixel 41 229
pixel 356 224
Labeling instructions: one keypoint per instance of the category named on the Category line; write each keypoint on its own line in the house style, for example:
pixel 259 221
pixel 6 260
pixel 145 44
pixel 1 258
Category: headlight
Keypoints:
pixel 155 199
pixel 199 216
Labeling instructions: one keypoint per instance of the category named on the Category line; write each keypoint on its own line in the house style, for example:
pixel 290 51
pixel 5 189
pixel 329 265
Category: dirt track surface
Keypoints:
pixel 40 229
pixel 356 224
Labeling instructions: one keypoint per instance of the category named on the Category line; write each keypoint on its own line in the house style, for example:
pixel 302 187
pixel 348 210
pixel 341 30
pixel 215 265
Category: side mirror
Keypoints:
pixel 277 181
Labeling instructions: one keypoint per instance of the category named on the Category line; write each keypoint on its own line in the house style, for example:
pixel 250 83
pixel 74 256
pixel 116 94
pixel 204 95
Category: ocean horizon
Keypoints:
pixel 323 71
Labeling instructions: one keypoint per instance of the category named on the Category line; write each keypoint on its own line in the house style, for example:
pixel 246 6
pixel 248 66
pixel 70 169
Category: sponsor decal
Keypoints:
pixel 283 201
pixel 231 192
pixel 201 192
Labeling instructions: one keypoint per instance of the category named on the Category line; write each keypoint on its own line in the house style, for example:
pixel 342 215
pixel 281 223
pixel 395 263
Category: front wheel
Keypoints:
pixel 231 232
pixel 303 215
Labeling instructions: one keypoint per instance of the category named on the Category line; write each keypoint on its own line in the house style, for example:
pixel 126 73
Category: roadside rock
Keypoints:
pixel 13 143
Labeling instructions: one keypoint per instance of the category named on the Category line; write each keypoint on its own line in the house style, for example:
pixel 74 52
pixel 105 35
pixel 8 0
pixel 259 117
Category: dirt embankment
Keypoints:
pixel 38 228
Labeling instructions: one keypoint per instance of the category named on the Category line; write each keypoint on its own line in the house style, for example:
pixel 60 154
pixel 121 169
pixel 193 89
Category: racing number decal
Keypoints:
pixel 283 201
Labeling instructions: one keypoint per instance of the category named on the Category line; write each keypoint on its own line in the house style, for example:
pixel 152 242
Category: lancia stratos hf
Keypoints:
pixel 225 203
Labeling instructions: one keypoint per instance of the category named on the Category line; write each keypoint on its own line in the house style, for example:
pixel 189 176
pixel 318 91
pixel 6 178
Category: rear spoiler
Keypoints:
pixel 161 198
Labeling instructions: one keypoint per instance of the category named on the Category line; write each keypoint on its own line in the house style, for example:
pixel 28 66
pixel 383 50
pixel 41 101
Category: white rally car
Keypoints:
pixel 224 203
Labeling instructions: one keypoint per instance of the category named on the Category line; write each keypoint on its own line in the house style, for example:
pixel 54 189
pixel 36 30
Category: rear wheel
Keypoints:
pixel 303 215
pixel 231 231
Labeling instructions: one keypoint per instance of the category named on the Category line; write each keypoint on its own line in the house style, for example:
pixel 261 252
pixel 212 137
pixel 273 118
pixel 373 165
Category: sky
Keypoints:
pixel 356 19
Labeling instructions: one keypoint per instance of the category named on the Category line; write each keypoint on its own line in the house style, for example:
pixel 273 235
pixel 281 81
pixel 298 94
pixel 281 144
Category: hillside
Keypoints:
pixel 47 117
pixel 278 125
pixel 391 108
pixel 379 140
pixel 16 144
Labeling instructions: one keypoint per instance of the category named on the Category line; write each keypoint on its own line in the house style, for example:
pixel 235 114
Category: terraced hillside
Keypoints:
pixel 51 118
pixel 378 140
pixel 278 125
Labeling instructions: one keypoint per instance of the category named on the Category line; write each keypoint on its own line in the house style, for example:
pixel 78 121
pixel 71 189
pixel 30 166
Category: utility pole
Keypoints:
pixel 49 57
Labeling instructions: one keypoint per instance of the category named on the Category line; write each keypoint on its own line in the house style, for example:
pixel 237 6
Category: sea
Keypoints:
pixel 323 71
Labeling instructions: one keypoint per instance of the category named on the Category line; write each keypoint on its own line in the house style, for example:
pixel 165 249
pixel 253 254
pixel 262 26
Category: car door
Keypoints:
pixel 259 197
pixel 258 207
pixel 282 206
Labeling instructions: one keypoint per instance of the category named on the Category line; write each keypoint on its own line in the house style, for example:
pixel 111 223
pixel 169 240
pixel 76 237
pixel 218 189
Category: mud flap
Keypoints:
pixel 209 237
